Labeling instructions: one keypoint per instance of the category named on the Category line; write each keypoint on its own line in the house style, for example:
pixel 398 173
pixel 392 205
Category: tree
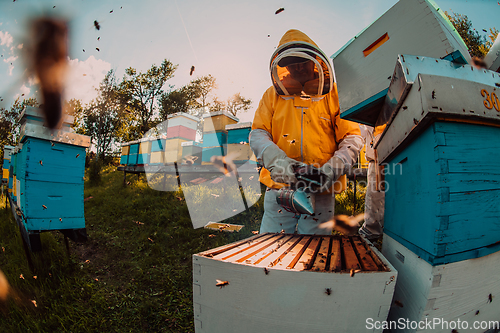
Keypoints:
pixel 478 45
pixel 233 105
pixel 174 101
pixel 199 90
pixel 9 121
pixel 238 103
pixel 103 116
pixel 142 89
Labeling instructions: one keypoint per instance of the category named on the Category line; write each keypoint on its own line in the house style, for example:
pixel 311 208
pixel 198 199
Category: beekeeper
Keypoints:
pixel 298 123
pixel 373 227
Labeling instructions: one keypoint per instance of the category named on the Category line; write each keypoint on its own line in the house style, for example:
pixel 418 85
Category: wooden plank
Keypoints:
pixel 244 247
pixel 335 256
pixel 220 249
pixel 289 256
pixel 367 262
pixel 275 257
pixel 258 256
pixel 351 260
pixel 293 249
pixel 322 256
pixel 242 256
pixel 306 260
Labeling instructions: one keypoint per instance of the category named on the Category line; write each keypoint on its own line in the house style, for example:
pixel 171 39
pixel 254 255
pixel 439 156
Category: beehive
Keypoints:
pixel 217 121
pixel 410 27
pixel 464 290
pixel 133 153
pixel 124 155
pixel 238 146
pixel 191 151
pixel 182 119
pixel 492 59
pixel 7 151
pixel 263 283
pixel 49 169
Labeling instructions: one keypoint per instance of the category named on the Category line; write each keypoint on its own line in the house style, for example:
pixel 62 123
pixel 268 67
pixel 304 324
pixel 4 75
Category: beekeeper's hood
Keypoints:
pixel 297 50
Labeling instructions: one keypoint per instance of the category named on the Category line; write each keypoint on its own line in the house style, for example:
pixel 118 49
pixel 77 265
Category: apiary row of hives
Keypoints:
pixel 222 135
pixel 45 177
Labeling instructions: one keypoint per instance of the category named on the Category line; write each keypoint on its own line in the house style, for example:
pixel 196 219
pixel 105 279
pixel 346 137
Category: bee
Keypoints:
pixel 52 144
pixel 111 11
pixel 292 141
pixel 250 178
pixel 97 49
pixel 328 291
pixel 98 38
pixel 44 207
pixel 279 10
pixel 220 283
pixel 490 298
pixel 152 241
pixel 83 50
pixel 34 303
pixel 211 236
pixel 266 271
pixel 60 219
pixel 279 211
pixel 97 25
pixel 398 303
pixel 41 162
pixel 285 135
pixel 282 231
pixel 433 94
pixel 215 195
pixel 191 71
pixel 255 232
pixel 77 155
pixel 477 312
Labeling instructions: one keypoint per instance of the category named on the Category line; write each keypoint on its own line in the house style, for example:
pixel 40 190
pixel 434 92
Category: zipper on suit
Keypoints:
pixel 301 134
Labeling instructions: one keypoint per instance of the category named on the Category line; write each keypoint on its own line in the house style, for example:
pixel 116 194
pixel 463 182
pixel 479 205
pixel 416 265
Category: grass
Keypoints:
pixel 132 275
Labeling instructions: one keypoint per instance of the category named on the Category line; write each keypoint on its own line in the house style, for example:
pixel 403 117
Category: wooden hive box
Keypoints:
pixel 49 170
pixel 410 27
pixel 182 119
pixel 238 133
pixel 193 150
pixel 440 152
pixel 217 121
pixel 242 153
pixel 124 155
pixel 182 132
pixel 291 283
pixel 133 153
pixel 466 290
pixel 7 151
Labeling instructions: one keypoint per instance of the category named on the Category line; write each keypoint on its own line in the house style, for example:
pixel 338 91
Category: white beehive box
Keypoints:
pixel 467 290
pixel 364 66
pixel 291 283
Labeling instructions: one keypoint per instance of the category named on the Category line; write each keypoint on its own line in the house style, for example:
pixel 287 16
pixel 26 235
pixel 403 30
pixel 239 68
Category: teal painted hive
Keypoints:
pixel 444 195
pixel 49 169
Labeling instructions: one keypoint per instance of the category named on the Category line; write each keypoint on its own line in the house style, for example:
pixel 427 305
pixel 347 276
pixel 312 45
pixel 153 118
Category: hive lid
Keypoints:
pixel 41 132
pixel 363 67
pixel 36 116
pixel 247 124
pixel 183 114
pixel 320 253
pixel 221 113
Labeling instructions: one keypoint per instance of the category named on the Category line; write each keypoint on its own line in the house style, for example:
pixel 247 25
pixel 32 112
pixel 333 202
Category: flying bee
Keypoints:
pixel 490 298
pixel 44 207
pixel 255 232
pixel 328 291
pixel 97 25
pixel 398 303
pixel 191 71
pixel 41 162
pixel 77 155
pixel 266 271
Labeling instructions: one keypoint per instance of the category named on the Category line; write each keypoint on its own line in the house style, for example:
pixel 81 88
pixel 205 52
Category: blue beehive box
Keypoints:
pixel 214 139
pixel 49 168
pixel 208 152
pixel 238 133
pixel 441 153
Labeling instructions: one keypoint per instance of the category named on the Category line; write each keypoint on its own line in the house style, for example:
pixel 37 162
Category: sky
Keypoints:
pixel 231 40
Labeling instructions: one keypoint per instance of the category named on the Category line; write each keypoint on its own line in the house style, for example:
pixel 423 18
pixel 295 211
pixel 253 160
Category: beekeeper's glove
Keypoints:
pixel 331 170
pixel 279 165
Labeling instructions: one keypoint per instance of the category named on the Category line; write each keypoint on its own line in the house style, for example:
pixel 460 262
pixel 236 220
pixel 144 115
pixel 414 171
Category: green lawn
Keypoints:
pixel 129 276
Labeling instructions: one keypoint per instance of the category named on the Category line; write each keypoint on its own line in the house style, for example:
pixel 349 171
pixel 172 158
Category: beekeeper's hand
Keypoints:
pixel 331 170
pixel 279 165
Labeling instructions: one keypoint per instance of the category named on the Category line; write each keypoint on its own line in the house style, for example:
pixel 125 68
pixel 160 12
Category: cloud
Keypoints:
pixel 6 38
pixel 84 77
pixel 23 90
